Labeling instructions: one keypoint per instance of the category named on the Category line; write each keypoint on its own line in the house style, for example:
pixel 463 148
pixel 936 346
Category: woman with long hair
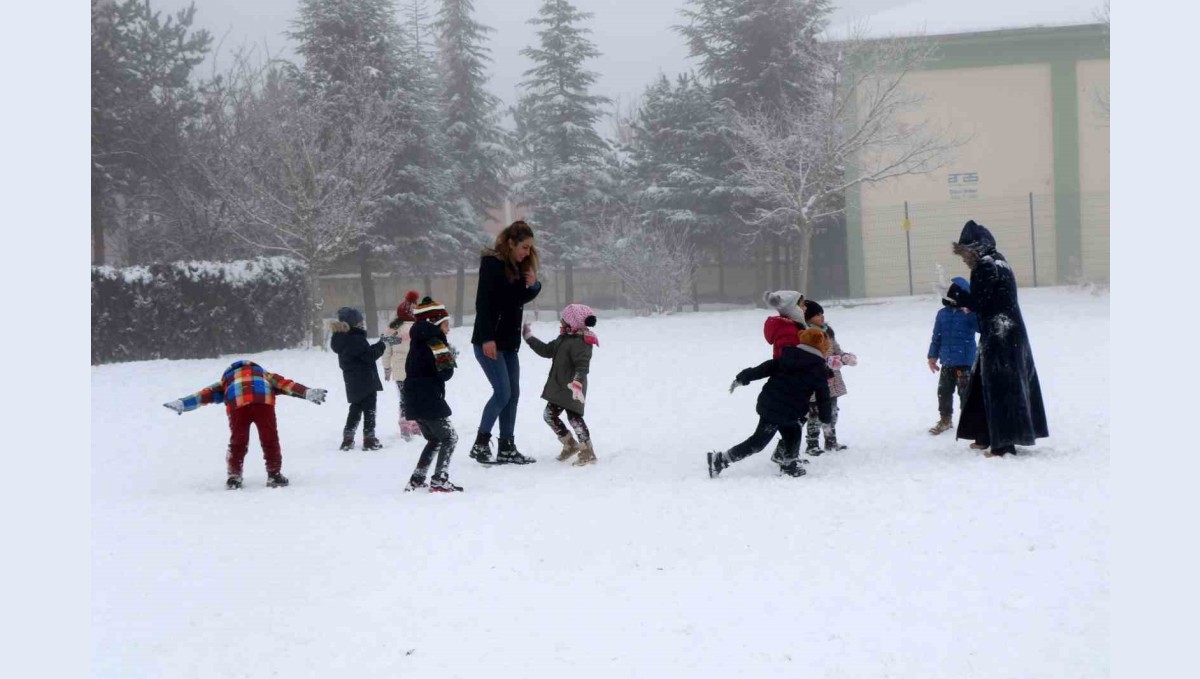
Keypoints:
pixel 507 282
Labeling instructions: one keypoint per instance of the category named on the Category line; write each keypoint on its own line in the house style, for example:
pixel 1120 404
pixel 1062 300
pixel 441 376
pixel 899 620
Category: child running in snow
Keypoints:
pixel 248 392
pixel 953 344
pixel 566 386
pixel 395 355
pixel 814 315
pixel 430 364
pixel 356 358
pixel 798 375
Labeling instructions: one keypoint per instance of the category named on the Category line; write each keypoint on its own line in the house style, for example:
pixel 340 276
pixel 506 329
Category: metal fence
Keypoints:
pixel 913 260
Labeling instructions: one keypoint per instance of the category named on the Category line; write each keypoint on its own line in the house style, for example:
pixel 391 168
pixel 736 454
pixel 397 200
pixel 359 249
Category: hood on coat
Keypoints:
pixel 339 326
pixel 781 331
pixel 976 237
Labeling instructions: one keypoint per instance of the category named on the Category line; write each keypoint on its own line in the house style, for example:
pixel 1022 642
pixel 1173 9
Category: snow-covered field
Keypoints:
pixel 904 556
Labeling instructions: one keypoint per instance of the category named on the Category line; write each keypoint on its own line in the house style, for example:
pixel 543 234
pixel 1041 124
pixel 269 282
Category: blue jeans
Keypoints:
pixel 504 372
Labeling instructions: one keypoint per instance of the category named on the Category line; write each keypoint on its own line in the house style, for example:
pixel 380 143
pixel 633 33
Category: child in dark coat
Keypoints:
pixel 248 392
pixel 357 358
pixel 799 374
pixel 954 345
pixel 566 385
pixel 430 364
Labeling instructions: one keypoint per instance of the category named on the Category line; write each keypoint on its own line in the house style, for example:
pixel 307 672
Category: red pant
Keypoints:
pixel 263 417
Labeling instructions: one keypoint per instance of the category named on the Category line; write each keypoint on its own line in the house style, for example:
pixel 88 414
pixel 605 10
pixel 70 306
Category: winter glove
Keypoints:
pixel 315 395
pixel 834 362
pixel 390 340
pixel 734 385
pixel 526 331
pixel 176 405
pixel 576 390
pixel 849 359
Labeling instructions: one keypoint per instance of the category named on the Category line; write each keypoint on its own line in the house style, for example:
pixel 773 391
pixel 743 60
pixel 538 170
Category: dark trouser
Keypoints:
pixel 361 409
pixel 504 374
pixel 762 436
pixel 952 378
pixel 813 424
pixel 441 440
pixel 550 415
pixel 262 415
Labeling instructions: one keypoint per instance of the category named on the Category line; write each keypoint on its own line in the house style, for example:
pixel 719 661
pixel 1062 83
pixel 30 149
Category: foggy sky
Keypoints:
pixel 634 36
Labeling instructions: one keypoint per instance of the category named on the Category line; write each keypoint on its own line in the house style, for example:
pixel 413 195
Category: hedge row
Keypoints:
pixel 196 309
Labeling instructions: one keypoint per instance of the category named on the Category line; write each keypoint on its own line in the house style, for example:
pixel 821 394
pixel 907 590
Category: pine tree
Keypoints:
pixel 565 157
pixel 471 124
pixel 142 101
pixel 758 52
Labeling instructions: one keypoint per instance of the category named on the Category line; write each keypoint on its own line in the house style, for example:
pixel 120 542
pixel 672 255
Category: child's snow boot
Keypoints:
pixel 415 482
pixel 347 442
pixel 371 443
pixel 481 452
pixel 812 447
pixel 944 424
pixel 233 482
pixel 569 447
pixel 831 443
pixel 794 469
pixel 586 455
pixel 717 462
pixel 441 484
pixel 276 480
pixel 508 453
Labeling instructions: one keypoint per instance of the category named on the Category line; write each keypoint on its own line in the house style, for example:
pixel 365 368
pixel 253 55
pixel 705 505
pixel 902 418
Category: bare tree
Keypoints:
pixel 654 261
pixel 800 158
pixel 300 187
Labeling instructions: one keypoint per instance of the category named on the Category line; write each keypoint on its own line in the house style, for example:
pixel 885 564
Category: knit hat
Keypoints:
pixel 579 320
pixel 975 237
pixel 429 310
pixel 405 311
pixel 579 316
pixel 786 302
pixel 350 316
pixel 811 308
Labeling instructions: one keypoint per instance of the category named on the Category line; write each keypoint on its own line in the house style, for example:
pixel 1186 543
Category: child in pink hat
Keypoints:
pixel 566 386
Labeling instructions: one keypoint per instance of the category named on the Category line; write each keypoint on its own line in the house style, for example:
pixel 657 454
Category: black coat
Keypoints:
pixel 424 384
pixel 499 305
pixel 793 379
pixel 1004 403
pixel 357 358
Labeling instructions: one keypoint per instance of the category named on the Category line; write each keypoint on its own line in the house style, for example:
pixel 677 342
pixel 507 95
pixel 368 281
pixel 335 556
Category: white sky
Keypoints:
pixel 635 36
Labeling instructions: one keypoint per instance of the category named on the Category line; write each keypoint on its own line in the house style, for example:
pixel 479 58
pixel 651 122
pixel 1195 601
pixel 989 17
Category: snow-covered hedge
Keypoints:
pixel 196 309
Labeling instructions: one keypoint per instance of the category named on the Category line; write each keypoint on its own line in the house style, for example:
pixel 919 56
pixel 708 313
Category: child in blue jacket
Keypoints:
pixel 954 346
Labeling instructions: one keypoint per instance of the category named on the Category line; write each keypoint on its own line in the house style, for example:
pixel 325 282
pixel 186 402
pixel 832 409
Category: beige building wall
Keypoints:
pixel 1004 113
pixel 1093 84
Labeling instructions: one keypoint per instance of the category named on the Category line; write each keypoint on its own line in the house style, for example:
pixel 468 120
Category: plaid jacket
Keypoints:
pixel 244 382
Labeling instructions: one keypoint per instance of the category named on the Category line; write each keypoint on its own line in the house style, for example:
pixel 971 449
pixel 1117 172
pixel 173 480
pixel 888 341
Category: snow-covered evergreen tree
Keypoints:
pixel 758 52
pixel 471 123
pixel 566 170
pixel 142 102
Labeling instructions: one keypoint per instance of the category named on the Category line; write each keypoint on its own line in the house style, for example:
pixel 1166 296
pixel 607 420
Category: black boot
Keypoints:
pixel 508 453
pixel 276 480
pixel 347 441
pixel 441 484
pixel 793 469
pixel 233 482
pixel 371 443
pixel 481 452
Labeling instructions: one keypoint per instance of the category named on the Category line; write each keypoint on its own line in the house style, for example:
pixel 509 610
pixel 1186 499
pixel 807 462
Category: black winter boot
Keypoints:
pixel 347 442
pixel 441 484
pixel 508 453
pixel 481 452
pixel 233 482
pixel 276 480
pixel 371 443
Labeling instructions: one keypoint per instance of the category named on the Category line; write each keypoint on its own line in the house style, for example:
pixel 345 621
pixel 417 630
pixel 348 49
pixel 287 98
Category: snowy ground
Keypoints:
pixel 904 556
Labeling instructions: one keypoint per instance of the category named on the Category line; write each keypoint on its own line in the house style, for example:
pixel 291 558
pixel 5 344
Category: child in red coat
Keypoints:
pixel 248 392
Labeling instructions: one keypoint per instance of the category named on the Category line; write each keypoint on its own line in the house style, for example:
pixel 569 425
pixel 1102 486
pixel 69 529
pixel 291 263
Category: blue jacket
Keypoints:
pixel 954 337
